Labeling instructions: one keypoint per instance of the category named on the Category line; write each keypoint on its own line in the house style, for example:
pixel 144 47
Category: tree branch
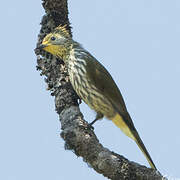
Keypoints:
pixel 75 130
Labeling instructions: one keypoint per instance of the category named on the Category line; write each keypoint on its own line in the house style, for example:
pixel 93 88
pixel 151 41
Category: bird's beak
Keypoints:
pixel 42 46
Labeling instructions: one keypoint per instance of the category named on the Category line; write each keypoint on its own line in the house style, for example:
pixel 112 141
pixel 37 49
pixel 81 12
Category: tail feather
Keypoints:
pixel 144 150
pixel 133 134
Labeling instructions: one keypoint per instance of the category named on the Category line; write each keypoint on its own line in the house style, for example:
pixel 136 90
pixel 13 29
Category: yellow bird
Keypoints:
pixel 93 83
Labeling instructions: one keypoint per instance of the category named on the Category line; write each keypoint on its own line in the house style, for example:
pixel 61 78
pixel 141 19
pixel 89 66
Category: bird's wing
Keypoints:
pixel 104 82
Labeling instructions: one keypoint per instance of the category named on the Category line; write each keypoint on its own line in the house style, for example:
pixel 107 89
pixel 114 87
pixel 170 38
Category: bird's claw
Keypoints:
pixel 90 127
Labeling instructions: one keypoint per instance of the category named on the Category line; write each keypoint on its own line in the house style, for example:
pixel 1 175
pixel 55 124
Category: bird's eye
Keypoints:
pixel 53 38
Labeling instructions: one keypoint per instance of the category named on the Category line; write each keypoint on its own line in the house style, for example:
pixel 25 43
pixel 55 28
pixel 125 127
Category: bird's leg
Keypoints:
pixel 98 116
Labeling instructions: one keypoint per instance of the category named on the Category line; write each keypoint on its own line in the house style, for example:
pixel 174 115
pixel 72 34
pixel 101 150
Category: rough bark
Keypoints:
pixel 76 133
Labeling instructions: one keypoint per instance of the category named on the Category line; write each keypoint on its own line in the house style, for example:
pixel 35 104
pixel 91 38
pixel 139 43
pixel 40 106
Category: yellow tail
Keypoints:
pixel 133 134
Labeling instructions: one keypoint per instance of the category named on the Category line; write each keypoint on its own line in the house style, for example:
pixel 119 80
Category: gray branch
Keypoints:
pixel 76 133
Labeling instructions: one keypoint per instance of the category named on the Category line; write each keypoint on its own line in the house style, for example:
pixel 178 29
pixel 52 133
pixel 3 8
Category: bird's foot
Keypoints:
pixel 90 127
pixel 98 116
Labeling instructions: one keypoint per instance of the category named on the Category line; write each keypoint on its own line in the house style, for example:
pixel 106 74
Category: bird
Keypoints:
pixel 93 83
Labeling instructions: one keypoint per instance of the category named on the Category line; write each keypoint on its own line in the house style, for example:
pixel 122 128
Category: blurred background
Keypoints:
pixel 137 41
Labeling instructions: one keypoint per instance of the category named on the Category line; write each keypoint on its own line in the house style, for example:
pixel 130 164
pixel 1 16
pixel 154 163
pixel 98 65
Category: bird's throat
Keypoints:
pixel 62 52
pixel 57 50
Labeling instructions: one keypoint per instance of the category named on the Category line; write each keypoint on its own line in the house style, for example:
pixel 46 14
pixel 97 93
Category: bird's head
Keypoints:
pixel 57 42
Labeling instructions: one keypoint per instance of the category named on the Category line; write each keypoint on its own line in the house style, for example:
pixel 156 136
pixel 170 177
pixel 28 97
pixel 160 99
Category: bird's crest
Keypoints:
pixel 62 30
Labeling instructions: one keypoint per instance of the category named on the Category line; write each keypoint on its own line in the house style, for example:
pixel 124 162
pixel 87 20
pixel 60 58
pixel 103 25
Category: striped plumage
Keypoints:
pixel 77 62
pixel 93 83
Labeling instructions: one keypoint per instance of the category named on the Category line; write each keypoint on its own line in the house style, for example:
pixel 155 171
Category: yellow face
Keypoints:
pixel 57 42
pixel 50 43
